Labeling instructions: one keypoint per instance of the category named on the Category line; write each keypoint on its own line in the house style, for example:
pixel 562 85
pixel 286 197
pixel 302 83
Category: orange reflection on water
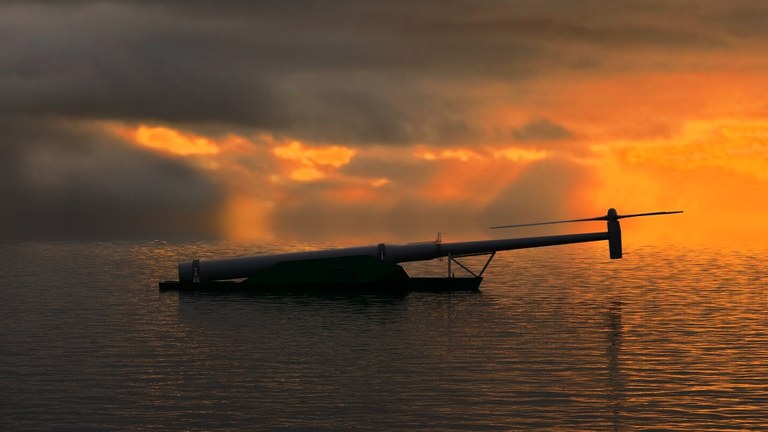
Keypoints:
pixel 693 329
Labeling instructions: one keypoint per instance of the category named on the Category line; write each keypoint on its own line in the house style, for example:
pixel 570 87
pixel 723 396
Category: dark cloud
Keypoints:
pixel 342 71
pixel 334 71
pixel 59 181
pixel 744 20
pixel 404 172
pixel 541 130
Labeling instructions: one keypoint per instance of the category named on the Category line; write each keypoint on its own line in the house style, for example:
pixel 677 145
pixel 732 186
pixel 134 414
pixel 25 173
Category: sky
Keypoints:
pixel 339 119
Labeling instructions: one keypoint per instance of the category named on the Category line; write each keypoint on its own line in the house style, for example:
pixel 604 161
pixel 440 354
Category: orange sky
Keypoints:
pixel 380 122
pixel 662 141
pixel 656 140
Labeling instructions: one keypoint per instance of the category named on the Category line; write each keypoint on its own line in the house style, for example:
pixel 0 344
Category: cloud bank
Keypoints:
pixel 457 112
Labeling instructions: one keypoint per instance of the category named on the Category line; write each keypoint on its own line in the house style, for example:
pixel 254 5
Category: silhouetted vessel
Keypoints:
pixel 373 268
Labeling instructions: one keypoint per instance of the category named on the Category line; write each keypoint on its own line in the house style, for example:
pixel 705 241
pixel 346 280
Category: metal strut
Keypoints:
pixel 487 262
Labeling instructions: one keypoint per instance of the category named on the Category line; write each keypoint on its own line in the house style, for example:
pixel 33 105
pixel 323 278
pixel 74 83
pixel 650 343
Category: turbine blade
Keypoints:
pixel 599 218
pixel 649 214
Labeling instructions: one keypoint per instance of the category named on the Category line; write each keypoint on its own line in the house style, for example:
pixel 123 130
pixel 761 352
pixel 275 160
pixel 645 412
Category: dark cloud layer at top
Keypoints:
pixel 541 130
pixel 343 71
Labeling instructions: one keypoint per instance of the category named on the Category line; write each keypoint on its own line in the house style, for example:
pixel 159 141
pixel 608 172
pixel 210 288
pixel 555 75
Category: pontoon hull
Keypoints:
pixel 416 284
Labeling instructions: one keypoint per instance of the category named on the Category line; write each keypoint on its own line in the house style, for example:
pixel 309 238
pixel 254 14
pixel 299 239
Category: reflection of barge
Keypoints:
pixel 370 268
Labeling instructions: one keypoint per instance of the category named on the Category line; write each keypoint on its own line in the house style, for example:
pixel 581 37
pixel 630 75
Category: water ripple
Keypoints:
pixel 558 339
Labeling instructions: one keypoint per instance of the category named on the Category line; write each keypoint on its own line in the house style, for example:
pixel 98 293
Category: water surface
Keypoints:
pixel 558 338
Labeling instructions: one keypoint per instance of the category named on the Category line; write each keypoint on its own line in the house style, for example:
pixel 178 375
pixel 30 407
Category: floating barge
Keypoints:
pixel 375 268
pixel 344 275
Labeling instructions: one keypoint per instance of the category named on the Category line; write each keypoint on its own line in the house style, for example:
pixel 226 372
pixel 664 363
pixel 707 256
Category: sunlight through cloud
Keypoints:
pixel 173 141
pixel 313 162
pixel 517 154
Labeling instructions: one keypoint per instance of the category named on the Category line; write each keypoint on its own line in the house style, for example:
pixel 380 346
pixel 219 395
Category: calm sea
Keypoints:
pixel 558 339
